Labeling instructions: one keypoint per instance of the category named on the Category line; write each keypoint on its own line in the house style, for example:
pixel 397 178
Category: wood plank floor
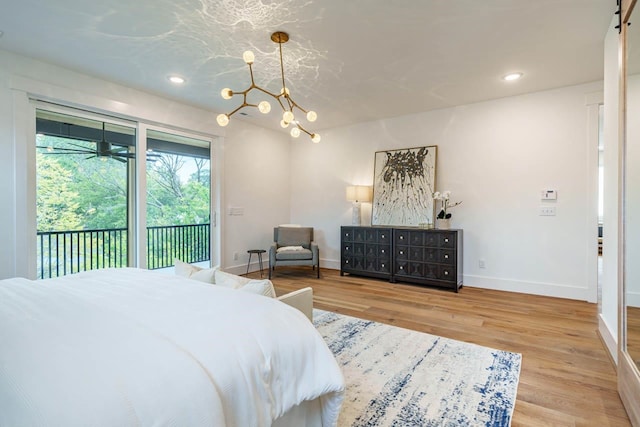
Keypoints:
pixel 567 378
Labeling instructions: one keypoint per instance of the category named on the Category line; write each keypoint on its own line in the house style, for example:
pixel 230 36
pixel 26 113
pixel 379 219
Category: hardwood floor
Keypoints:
pixel 567 378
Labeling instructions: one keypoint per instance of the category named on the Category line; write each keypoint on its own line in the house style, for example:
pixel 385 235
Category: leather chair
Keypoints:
pixel 294 246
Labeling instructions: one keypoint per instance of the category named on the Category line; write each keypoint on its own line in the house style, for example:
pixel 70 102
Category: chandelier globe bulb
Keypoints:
pixel 222 119
pixel 312 116
pixel 284 124
pixel 315 138
pixel 264 107
pixel 287 116
pixel 226 93
pixel 248 57
pixel 295 132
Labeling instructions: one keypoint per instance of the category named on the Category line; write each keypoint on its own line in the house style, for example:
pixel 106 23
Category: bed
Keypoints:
pixel 130 347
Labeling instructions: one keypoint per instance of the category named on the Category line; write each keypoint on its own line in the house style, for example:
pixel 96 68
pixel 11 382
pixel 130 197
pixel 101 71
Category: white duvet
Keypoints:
pixel 128 347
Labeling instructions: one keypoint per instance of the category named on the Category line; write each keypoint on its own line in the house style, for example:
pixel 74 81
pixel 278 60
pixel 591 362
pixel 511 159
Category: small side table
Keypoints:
pixel 259 252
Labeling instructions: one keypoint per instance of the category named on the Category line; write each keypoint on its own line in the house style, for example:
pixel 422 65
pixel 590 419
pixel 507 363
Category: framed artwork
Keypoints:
pixel 403 184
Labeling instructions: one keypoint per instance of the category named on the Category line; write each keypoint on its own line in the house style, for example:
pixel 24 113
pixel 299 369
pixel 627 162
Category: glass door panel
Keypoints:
pixel 178 199
pixel 84 168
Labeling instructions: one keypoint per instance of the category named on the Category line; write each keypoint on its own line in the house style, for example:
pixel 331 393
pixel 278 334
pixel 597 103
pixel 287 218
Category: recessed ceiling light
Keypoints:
pixel 512 76
pixel 176 79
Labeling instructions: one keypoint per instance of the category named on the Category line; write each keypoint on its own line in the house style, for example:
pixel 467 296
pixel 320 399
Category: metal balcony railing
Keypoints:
pixel 66 252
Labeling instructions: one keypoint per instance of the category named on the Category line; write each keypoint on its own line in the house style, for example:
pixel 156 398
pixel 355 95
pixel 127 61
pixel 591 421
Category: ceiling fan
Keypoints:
pixel 103 149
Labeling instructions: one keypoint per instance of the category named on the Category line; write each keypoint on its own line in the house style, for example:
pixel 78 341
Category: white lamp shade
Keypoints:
pixel 359 193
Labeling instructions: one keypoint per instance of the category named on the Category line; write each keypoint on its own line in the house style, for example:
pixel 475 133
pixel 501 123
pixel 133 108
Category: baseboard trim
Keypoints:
pixel 609 340
pixel 633 299
pixel 532 288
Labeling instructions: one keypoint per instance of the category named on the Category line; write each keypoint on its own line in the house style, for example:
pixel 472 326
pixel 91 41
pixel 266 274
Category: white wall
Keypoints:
pixel 256 179
pixel 496 157
pixel 256 156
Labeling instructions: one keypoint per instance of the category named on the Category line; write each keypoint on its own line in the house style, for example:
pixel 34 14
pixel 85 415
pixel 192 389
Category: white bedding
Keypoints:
pixel 128 347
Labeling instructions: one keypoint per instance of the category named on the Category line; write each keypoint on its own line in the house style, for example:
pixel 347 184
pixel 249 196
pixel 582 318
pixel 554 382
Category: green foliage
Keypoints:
pixel 170 201
pixel 81 191
pixel 57 203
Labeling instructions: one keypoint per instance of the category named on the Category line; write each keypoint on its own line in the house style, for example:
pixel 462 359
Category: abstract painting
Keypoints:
pixel 403 184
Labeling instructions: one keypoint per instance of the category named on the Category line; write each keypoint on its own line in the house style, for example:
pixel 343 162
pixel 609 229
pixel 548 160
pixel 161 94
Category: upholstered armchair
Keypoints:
pixel 293 246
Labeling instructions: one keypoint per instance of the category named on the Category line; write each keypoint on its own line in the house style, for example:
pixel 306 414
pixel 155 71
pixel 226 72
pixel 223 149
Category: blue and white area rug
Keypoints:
pixel 398 377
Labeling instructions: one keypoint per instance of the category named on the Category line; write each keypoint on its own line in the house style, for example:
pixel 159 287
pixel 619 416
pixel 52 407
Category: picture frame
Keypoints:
pixel 404 181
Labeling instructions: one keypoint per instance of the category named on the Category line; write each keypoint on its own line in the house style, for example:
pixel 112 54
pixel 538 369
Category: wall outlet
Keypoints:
pixel 547 211
pixel 235 256
pixel 481 264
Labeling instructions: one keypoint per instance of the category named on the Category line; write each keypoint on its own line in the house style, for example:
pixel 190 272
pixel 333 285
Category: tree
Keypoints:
pixel 57 203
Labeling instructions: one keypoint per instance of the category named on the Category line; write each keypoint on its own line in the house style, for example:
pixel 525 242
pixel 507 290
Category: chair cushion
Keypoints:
pixel 294 236
pixel 291 255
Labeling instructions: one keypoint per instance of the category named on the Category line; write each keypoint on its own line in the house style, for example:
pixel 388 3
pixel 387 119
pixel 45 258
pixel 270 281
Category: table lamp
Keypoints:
pixel 358 194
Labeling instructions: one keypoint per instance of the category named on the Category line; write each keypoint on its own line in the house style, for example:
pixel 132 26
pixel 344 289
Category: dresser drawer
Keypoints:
pixel 447 240
pixel 447 256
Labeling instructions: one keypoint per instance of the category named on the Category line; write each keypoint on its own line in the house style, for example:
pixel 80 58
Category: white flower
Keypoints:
pixel 444 202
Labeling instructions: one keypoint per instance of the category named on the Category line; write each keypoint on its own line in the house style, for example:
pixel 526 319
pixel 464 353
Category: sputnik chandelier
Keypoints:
pixel 284 98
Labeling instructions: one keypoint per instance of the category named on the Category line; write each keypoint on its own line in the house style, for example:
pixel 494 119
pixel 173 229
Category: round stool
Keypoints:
pixel 259 252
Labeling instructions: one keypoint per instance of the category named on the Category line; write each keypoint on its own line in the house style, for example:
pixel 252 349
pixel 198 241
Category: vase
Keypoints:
pixel 443 223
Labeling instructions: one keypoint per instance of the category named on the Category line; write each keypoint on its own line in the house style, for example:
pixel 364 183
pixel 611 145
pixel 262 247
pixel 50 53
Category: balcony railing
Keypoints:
pixel 66 252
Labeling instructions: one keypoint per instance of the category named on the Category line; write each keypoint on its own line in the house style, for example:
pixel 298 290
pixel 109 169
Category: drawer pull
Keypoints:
pixel 446 257
pixel 446 240
pixel 382 251
pixel 446 273
pixel 401 252
pixel 383 236
pixel 346 262
pixel 401 268
pixel 382 265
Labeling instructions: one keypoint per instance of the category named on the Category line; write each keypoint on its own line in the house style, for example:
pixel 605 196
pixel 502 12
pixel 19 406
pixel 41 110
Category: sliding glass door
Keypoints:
pixel 88 200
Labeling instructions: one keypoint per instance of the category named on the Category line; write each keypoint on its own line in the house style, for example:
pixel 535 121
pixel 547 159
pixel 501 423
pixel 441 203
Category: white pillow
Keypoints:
pixel 260 287
pixel 289 249
pixel 194 272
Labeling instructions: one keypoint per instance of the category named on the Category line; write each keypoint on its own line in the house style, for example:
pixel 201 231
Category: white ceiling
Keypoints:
pixel 349 60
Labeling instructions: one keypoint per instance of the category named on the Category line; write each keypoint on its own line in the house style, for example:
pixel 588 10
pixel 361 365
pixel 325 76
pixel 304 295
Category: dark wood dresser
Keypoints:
pixel 414 255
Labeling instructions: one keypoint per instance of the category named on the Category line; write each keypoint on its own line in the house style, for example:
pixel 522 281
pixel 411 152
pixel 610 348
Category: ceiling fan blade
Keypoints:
pixel 57 150
pixel 81 147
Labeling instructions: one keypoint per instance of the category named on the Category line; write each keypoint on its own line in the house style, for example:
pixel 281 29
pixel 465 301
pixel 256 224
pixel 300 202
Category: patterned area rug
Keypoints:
pixel 398 377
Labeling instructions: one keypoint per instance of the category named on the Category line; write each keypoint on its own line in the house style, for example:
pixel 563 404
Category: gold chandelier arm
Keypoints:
pixel 244 104
pixel 294 104
pixel 267 92
pixel 251 74
pixel 304 130
pixel 284 87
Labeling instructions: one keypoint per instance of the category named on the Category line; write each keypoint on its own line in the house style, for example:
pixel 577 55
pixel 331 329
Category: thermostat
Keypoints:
pixel 548 195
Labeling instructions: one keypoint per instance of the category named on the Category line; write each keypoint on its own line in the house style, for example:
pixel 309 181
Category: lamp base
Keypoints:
pixel 355 215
